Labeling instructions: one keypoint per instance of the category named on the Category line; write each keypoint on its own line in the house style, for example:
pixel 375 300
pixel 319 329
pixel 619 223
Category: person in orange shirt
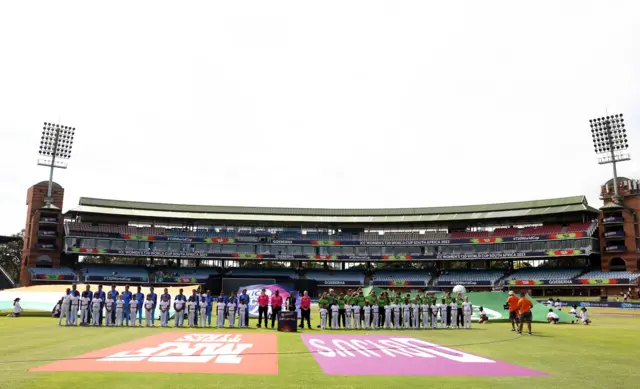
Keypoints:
pixel 524 308
pixel 512 302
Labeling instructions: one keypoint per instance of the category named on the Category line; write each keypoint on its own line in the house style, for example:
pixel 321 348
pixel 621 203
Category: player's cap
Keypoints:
pixel 511 293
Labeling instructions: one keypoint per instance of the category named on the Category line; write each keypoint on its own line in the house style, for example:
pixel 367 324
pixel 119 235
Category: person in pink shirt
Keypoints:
pixel 276 307
pixel 263 308
pixel 305 310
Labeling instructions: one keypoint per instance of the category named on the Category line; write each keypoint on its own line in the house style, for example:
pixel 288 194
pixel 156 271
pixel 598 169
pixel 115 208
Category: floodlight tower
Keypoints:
pixel 610 141
pixel 55 148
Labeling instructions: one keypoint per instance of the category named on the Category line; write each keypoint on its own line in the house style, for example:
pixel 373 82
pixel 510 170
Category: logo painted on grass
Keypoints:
pixel 399 355
pixel 176 352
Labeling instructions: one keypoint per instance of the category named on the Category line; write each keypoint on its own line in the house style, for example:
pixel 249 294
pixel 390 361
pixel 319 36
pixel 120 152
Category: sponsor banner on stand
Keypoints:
pixel 349 355
pixel 399 283
pixel 602 281
pixel 539 282
pixel 115 278
pixel 340 283
pixel 348 258
pixel 53 277
pixel 181 352
pixel 268 240
pixel 453 283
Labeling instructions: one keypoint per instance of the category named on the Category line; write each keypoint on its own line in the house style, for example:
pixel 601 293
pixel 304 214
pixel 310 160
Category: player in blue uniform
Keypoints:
pixel 126 297
pixel 154 298
pixel 209 301
pixel 114 297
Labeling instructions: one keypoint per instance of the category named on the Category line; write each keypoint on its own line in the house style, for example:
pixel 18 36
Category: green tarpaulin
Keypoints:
pixel 493 305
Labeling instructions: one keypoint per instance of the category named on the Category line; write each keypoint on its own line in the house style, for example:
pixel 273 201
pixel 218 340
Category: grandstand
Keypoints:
pixel 174 243
pixel 479 277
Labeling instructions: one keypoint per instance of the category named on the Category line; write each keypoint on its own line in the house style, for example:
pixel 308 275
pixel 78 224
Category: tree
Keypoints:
pixel 11 256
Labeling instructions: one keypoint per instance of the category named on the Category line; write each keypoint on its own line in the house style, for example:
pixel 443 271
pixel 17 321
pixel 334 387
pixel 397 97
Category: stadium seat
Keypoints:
pixel 115 270
pixel 471 275
pixel 611 274
pixel 263 272
pixel 400 276
pixel 544 274
pixel 336 275
pixel 51 273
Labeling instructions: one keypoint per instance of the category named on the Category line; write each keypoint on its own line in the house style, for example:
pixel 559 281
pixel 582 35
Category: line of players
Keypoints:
pixel 420 313
pixel 121 309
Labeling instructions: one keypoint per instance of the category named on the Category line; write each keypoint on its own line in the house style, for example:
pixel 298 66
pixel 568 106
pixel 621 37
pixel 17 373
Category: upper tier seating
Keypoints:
pixel 544 274
pixel 399 276
pixel 46 272
pixel 263 272
pixel 471 275
pixel 115 270
pixel 335 275
pixel 610 274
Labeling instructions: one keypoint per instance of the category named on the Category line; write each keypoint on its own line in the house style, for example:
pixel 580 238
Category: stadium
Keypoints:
pixel 562 248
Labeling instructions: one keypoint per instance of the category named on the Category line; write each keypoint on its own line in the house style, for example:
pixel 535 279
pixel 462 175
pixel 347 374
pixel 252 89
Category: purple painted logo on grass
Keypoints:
pixel 401 355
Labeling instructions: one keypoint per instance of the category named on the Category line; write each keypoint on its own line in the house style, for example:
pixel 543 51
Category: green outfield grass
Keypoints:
pixel 599 356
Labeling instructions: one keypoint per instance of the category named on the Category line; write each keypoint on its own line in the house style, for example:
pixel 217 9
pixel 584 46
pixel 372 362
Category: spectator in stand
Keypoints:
pixel 305 310
pixel 263 308
pixel 276 307
pixel 552 317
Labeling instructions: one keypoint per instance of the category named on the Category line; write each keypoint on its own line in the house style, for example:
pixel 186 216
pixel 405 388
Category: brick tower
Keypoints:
pixel 43 230
pixel 618 226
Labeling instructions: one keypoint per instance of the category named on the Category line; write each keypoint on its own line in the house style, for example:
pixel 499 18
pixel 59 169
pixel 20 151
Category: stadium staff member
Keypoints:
pixel 100 295
pixel 524 308
pixel 512 302
pixel 276 307
pixel 263 308
pixel 305 309
pixel 245 297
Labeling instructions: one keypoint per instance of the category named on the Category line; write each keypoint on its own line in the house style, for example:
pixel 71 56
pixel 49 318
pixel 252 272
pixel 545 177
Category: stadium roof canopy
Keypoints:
pixel 158 211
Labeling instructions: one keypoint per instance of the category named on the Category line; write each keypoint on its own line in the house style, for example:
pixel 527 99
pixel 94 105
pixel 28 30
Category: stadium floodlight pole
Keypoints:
pixel 55 147
pixel 610 139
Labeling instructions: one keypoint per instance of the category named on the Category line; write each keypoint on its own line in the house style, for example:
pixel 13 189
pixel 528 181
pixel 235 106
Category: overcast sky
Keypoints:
pixel 316 104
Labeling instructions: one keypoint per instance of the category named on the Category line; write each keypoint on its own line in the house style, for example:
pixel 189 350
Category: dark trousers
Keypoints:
pixel 246 317
pixel 448 314
pixel 381 317
pixel 393 317
pixel 341 318
pixel 101 314
pixel 329 318
pixel 305 314
pixel 274 314
pixel 460 322
pixel 263 311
